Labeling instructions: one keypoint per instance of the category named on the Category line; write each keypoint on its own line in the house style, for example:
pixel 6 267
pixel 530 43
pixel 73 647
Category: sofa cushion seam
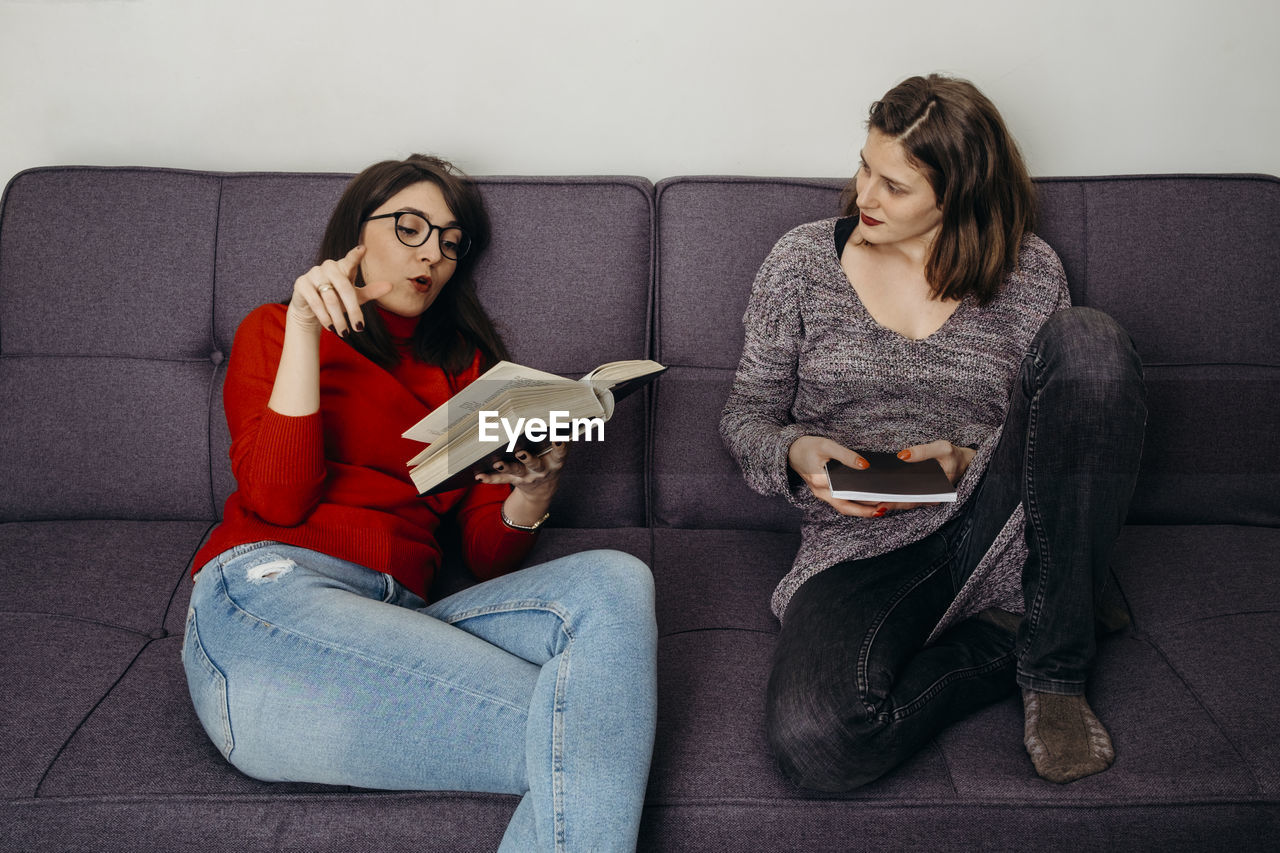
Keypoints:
pixel 1195 695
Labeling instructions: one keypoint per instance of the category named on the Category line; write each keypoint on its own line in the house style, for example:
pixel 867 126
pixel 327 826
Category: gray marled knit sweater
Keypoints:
pixel 816 363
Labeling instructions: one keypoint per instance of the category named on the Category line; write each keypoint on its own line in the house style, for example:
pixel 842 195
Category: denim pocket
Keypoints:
pixel 208 688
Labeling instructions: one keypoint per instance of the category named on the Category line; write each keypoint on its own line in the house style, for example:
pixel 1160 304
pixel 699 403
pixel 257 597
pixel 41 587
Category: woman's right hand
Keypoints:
pixel 326 296
pixel 808 457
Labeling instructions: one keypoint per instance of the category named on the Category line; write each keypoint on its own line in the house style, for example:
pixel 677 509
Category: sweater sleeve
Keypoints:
pixel 757 425
pixel 1064 293
pixel 490 548
pixel 278 461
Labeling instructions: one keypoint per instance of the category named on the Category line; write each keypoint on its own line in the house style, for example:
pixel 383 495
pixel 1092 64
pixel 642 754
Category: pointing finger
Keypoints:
pixel 350 262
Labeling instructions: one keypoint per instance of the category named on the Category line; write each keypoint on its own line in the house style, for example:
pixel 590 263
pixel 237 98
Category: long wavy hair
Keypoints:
pixel 955 136
pixel 456 325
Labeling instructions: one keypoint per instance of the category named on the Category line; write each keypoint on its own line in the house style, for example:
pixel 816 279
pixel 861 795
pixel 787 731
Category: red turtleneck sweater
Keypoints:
pixel 336 481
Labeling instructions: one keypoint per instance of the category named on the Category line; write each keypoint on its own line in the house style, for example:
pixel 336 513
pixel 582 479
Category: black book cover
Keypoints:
pixel 890 479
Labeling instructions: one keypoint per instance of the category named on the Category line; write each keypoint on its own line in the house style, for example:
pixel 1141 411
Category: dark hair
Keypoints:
pixel 955 136
pixel 456 325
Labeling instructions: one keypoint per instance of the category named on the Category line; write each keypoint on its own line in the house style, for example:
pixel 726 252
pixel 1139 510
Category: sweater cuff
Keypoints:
pixel 500 549
pixel 777 478
pixel 289 450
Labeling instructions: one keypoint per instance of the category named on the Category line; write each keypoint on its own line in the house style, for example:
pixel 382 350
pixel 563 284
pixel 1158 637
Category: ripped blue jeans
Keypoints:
pixel 303 667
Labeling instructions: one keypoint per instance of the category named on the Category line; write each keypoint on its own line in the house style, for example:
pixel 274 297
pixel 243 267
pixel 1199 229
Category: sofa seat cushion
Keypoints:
pixel 1195 743
pixel 336 821
pixel 83 599
pixel 120 574
pixel 55 670
pixel 1178 781
pixel 1207 600
pixel 143 738
pixel 719 579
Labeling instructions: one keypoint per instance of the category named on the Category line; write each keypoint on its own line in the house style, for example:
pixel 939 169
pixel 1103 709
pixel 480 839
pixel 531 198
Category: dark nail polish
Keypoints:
pixel 332 329
pixel 359 327
pixel 346 333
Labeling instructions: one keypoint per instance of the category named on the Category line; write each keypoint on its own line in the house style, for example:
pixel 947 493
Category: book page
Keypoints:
pixel 620 371
pixel 516 402
pixel 461 447
pixel 503 376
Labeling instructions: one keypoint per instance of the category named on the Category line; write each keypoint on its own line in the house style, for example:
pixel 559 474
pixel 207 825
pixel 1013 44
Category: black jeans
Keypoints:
pixel 854 690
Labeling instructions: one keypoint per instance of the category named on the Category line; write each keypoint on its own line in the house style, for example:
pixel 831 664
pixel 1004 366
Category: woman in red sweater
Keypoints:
pixel 311 651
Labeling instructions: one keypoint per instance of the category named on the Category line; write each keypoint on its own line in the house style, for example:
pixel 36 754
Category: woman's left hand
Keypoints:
pixel 954 461
pixel 533 480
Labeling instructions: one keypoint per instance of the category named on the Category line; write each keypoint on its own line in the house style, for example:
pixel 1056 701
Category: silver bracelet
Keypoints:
pixel 528 528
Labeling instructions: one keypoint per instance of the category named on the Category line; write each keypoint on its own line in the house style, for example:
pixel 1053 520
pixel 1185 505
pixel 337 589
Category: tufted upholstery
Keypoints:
pixel 120 290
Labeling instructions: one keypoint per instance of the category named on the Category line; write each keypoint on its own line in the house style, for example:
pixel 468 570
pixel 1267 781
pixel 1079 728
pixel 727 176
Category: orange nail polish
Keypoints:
pixel 862 463
pixel 904 455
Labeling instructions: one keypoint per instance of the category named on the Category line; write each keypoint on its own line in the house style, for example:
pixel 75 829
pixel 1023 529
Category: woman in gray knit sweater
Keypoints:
pixel 931 322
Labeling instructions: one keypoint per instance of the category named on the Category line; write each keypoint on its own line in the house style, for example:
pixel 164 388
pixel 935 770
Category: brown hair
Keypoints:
pixel 955 136
pixel 456 324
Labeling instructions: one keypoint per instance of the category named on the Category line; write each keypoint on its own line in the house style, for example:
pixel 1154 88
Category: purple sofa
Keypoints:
pixel 120 290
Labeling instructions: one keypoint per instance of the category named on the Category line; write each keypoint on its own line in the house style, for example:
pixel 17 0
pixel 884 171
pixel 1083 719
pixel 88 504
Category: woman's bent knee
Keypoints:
pixel 1089 352
pixel 822 748
pixel 615 589
pixel 621 575
pixel 1087 339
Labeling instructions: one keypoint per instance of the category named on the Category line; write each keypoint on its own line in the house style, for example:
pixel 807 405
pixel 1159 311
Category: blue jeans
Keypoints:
pixel 541 683
pixel 854 690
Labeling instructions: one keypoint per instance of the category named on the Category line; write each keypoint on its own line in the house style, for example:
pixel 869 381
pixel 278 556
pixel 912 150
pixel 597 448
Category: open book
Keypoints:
pixel 890 479
pixel 512 408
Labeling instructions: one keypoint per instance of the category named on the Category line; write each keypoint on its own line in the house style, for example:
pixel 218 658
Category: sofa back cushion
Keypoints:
pixel 106 299
pixel 1189 266
pixel 1199 303
pixel 121 290
pixel 713 234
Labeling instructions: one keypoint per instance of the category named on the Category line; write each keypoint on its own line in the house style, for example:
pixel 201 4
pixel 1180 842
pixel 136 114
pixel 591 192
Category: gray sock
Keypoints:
pixel 1064 738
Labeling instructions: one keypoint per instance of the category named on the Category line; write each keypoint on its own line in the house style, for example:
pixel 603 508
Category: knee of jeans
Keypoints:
pixel 622 583
pixel 820 749
pixel 1088 349
pixel 621 572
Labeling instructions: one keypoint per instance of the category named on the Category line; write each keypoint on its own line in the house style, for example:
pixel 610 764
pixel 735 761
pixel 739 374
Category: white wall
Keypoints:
pixel 654 87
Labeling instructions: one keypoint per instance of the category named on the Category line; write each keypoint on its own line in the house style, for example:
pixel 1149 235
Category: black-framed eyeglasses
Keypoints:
pixel 413 230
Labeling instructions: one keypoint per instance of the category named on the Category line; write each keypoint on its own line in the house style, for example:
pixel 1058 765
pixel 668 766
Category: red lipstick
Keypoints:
pixel 867 220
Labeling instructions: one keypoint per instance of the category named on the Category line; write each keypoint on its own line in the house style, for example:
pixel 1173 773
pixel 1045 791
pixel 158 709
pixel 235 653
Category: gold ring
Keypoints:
pixel 324 288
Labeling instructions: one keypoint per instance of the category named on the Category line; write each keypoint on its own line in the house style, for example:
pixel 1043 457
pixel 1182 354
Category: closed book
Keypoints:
pixel 888 478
